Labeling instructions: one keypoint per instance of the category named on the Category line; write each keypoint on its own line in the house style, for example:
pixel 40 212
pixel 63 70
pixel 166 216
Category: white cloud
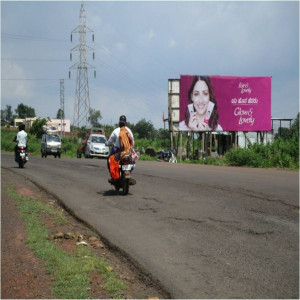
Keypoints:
pixel 11 87
pixel 172 43
pixel 148 36
pixel 120 46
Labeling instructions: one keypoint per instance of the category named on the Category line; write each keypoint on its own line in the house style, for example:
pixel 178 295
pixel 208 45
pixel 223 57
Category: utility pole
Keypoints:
pixel 82 98
pixel 62 108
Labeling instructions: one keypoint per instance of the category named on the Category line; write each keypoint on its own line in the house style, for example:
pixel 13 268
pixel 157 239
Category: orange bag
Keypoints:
pixel 125 141
pixel 114 167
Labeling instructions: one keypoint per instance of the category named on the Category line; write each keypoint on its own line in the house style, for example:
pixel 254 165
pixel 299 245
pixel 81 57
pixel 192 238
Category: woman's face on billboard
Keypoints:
pixel 200 97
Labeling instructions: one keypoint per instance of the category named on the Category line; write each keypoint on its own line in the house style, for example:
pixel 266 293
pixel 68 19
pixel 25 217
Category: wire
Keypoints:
pixel 33 59
pixel 28 37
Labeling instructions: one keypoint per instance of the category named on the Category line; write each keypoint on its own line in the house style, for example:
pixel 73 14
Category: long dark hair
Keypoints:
pixel 213 120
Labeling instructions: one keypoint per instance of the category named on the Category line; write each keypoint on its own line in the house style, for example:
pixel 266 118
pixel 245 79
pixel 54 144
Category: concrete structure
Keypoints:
pixel 58 125
pixel 50 122
pixel 27 121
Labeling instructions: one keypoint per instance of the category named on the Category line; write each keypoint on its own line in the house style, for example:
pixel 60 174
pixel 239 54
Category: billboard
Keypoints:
pixel 225 103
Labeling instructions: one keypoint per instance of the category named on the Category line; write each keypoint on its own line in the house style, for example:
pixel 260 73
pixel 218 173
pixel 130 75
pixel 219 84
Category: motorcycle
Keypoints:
pixel 21 156
pixel 167 156
pixel 126 166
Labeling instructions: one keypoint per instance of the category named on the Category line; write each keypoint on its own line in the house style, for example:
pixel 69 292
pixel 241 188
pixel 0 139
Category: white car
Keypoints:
pixel 95 146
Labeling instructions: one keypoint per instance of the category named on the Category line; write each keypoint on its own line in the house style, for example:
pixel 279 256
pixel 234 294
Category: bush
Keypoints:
pixel 279 154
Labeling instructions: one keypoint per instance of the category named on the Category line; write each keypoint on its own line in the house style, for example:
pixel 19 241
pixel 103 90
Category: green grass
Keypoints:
pixel 71 272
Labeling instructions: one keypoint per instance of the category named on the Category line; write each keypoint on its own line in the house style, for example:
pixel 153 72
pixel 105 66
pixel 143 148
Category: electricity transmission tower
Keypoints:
pixel 82 98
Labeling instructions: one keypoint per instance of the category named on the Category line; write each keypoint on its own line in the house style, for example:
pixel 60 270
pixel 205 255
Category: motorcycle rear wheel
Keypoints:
pixel 21 163
pixel 125 186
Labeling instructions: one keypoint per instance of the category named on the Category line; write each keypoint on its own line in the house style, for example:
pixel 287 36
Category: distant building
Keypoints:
pixel 57 124
pixel 50 122
pixel 27 121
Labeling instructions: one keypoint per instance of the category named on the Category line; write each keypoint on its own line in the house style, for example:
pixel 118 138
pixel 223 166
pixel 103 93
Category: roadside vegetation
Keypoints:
pixel 283 152
pixel 71 272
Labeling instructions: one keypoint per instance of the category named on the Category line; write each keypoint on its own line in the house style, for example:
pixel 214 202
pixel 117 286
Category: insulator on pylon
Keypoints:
pixel 69 75
pixel 71 37
pixel 94 73
pixel 70 56
pixel 93 37
pixel 93 55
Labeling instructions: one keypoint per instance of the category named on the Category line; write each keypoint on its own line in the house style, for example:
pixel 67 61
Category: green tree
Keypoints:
pixel 94 116
pixel 145 129
pixel 60 114
pixel 295 127
pixel 7 114
pixel 37 127
pixel 288 133
pixel 284 133
pixel 163 134
pixel 25 111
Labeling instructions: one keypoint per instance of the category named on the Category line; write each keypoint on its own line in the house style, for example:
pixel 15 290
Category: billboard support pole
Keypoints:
pixel 180 143
pixel 210 142
pixel 171 123
pixel 235 140
pixel 203 136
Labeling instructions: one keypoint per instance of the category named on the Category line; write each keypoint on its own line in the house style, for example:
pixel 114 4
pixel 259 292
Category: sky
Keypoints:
pixel 138 46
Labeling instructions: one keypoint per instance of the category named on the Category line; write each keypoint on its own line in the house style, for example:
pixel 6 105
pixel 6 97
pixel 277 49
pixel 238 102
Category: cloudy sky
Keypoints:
pixel 139 45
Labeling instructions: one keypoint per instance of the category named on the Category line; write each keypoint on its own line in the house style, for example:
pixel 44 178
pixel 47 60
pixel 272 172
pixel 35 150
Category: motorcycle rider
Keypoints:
pixel 115 141
pixel 21 138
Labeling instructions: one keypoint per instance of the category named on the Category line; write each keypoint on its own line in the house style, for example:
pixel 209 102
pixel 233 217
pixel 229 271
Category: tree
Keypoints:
pixel 25 111
pixel 7 114
pixel 145 129
pixel 163 134
pixel 295 127
pixel 37 127
pixel 94 116
pixel 60 114
pixel 288 133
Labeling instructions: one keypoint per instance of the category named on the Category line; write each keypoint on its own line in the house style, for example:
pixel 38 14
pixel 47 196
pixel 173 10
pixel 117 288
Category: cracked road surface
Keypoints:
pixel 200 231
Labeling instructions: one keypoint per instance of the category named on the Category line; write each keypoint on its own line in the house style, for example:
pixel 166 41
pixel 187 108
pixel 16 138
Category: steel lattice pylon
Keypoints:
pixel 82 98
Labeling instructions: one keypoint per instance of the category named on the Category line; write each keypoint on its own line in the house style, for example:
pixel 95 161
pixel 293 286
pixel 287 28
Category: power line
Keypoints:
pixel 27 79
pixel 34 59
pixel 29 37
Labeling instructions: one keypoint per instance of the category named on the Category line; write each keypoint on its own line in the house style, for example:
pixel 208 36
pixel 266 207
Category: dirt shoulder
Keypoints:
pixel 23 276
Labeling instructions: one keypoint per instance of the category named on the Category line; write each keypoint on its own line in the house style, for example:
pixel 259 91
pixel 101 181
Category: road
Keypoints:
pixel 201 231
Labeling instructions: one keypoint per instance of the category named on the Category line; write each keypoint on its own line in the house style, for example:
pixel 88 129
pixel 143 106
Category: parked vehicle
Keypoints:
pixel 89 131
pixel 126 166
pixel 51 145
pixel 21 156
pixel 95 146
pixel 167 156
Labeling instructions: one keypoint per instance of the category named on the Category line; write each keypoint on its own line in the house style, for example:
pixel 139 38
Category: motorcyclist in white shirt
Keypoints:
pixel 21 138
pixel 114 137
pixel 114 140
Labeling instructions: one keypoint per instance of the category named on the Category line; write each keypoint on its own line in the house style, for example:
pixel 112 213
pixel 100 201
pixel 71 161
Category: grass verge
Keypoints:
pixel 72 272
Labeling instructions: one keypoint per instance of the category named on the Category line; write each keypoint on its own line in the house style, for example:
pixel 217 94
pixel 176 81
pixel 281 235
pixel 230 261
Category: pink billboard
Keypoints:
pixel 225 103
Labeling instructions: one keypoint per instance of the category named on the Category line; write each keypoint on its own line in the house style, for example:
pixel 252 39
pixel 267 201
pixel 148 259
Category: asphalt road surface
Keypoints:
pixel 201 231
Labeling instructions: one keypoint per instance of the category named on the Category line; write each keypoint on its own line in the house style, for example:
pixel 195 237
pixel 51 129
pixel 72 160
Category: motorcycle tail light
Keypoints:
pixel 22 148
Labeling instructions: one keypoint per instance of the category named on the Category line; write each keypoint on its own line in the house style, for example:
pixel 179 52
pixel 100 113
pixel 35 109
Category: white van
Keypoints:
pixel 51 145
